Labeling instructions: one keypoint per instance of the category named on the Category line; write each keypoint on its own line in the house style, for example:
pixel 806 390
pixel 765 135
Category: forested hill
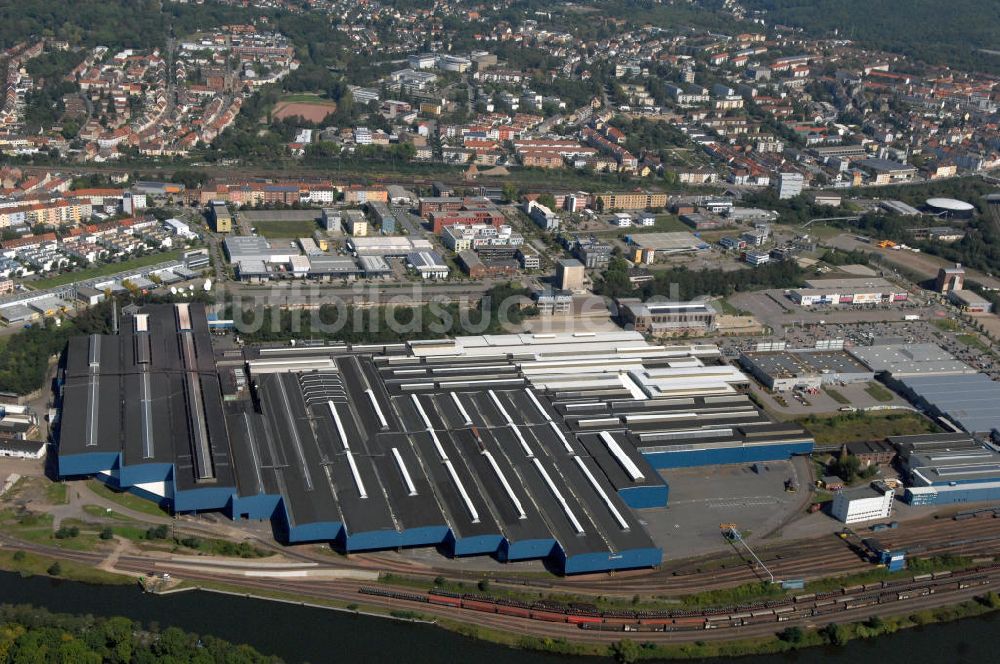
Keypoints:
pixel 112 23
pixel 952 32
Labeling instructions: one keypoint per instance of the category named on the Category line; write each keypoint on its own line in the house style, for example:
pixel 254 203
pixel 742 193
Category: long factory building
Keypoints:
pixel 516 446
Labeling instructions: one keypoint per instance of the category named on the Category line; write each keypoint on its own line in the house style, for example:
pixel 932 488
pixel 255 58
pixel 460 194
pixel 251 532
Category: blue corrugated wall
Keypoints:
pixel 639 497
pixel 729 455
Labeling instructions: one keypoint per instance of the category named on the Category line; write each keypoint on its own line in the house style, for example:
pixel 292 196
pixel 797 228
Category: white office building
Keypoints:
pixel 868 504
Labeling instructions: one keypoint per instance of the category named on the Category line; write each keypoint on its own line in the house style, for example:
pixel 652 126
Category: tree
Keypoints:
pixel 625 651
pixel 107 533
pixel 792 634
pixel 846 467
pixel 548 200
pixel 55 569
pixel 836 635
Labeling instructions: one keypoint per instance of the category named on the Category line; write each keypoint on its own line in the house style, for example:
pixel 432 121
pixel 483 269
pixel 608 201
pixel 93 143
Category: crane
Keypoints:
pixel 729 530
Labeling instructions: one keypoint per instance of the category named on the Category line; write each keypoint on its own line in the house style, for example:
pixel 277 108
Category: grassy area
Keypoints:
pixel 127 500
pixel 286 229
pixel 56 493
pixel 30 564
pixel 973 341
pixel 750 592
pixel 878 392
pixel 946 324
pixel 837 396
pixel 945 563
pixel 37 528
pixel 106 269
pixel 726 307
pixel 858 426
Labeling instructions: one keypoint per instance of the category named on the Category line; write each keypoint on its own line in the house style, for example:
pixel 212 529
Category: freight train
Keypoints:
pixel 588 616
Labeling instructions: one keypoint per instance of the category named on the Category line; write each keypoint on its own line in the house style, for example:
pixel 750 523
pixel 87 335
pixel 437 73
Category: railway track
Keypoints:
pixel 716 624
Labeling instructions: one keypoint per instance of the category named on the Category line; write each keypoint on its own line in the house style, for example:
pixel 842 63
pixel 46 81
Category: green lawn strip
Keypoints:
pixel 946 324
pixel 837 396
pixel 105 270
pixel 973 341
pixel 878 392
pixel 56 493
pixel 127 500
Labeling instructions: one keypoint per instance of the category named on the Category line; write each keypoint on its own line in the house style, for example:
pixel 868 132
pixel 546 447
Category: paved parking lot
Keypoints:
pixel 822 402
pixel 702 498
pixel 775 310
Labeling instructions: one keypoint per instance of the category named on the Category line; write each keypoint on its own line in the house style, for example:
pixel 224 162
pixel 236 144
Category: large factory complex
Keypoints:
pixel 516 446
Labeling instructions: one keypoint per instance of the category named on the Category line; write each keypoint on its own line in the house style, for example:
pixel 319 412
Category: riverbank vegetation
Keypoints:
pixel 30 634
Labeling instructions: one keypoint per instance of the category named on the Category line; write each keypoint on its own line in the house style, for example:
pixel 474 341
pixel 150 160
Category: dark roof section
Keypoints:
pixel 141 395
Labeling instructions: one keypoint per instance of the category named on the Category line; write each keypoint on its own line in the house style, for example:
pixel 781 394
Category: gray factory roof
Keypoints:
pixel 479 460
pixel 788 364
pixel 969 400
pixel 853 284
pixel 172 414
pixel 910 359
pixel 242 247
pixel 659 424
pixel 940 459
pixel 671 242
pixel 327 264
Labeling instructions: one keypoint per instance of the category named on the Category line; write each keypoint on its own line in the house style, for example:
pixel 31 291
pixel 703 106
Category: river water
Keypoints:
pixel 302 634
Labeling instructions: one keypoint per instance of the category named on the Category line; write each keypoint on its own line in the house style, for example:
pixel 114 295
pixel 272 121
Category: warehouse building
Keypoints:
pixel 902 360
pixel 948 468
pixel 388 245
pixel 143 410
pixel 516 446
pixel 649 246
pixel 428 264
pixel 966 400
pixel 786 370
pixel 970 301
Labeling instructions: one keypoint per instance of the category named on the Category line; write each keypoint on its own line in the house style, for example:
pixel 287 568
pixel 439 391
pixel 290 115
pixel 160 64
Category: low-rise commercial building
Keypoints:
pixel 848 292
pixel 479 269
pixel 387 245
pixel 970 301
pixel 551 301
pixel 667 318
pixel 428 264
